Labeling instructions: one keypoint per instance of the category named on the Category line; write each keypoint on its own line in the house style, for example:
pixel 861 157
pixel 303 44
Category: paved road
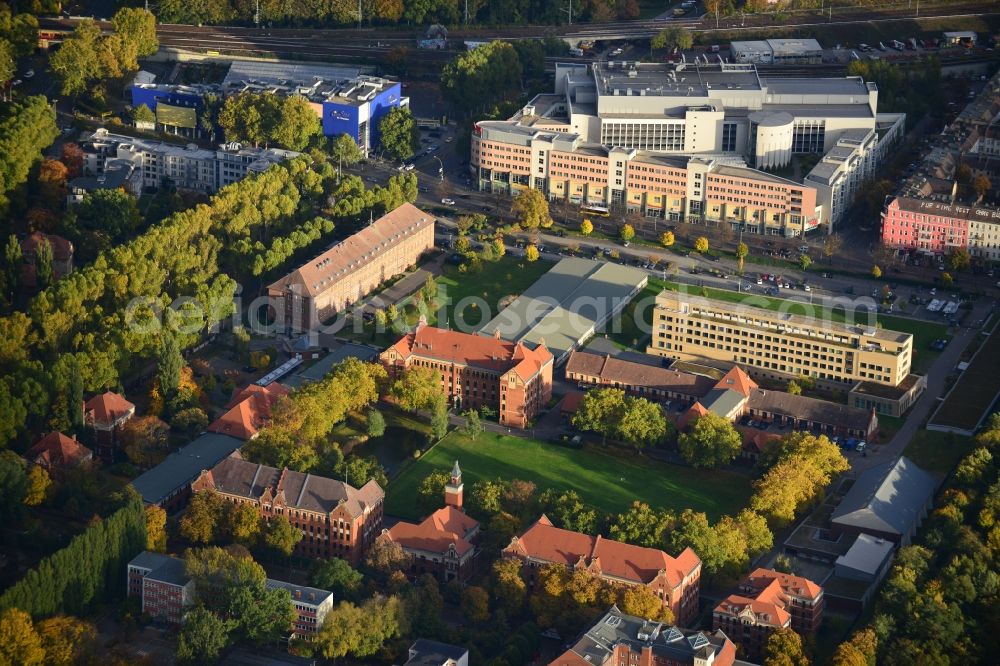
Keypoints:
pixel 823 289
pixel 470 200
pixel 920 412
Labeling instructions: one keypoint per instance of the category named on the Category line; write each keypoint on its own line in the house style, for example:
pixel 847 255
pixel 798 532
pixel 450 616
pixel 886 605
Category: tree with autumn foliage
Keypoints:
pixel 531 210
pixel 641 601
pixel 202 522
pixel 145 440
pixel 20 644
pixel 156 528
pixel 784 648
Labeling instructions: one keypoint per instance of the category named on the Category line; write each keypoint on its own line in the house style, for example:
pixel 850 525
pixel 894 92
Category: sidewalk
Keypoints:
pixel 926 404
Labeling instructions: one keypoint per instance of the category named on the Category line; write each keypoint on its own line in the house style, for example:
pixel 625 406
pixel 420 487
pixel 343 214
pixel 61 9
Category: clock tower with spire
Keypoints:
pixel 453 489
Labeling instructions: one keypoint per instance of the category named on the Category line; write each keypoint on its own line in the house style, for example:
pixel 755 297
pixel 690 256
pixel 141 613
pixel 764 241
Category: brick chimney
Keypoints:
pixel 453 489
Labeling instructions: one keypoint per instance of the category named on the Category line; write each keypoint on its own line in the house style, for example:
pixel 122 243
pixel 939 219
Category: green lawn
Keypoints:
pixel 888 426
pixel 924 333
pixel 608 482
pixel 404 433
pixel 508 276
pixel 630 334
pixel 937 452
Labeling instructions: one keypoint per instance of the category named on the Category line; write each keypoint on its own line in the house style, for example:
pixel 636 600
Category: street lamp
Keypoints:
pixel 440 167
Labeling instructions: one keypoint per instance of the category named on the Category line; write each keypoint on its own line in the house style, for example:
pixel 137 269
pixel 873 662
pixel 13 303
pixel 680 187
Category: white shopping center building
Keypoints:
pixel 610 113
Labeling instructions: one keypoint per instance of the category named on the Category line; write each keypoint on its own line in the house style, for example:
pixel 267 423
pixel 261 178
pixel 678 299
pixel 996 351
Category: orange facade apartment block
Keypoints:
pixel 675 580
pixel 352 269
pixel 336 519
pixel 479 371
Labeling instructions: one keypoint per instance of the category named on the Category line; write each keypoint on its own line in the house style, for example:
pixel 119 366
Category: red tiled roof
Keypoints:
pixel 755 439
pixel 767 592
pixel 693 412
pixel 58 450
pixel 249 410
pixel 570 658
pixel 737 380
pixel 767 613
pixel 108 407
pixel 489 353
pixel 437 532
pixel 790 583
pixel 542 541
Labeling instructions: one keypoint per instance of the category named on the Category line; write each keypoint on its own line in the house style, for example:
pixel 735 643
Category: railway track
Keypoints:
pixel 372 44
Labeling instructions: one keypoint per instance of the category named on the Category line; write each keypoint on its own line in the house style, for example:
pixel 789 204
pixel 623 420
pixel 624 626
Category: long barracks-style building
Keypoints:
pixel 674 140
pixel 353 268
pixel 874 363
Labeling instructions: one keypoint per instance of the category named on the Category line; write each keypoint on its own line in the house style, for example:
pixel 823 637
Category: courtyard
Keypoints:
pixel 496 283
pixel 609 482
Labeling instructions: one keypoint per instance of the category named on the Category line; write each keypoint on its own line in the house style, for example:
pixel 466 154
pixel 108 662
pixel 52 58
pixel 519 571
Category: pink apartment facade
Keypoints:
pixel 930 227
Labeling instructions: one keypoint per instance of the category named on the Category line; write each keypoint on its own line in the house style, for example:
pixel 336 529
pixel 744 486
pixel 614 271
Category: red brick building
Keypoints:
pixel 106 414
pixel 248 410
pixel 336 519
pixel 62 257
pixel 675 580
pixel 767 601
pixel 56 452
pixel 444 544
pixel 618 639
pixel 479 371
pixel 353 268
pixel 161 584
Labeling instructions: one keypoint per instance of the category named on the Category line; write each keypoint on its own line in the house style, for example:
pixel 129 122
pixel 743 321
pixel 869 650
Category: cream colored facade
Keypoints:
pixel 776 345
pixel 352 269
pixel 984 239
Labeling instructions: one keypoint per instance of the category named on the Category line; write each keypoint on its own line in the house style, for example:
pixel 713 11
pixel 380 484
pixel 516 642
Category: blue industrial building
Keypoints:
pixel 347 101
pixel 151 95
pixel 359 108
